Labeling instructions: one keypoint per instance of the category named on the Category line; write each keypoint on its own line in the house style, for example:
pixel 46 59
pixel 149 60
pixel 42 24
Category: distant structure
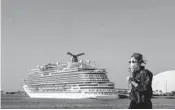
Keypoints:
pixel 164 82
pixel 13 93
pixel 2 93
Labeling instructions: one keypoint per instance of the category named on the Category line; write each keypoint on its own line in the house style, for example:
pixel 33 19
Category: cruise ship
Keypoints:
pixel 76 79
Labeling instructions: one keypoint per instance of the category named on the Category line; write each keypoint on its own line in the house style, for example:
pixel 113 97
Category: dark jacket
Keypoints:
pixel 144 85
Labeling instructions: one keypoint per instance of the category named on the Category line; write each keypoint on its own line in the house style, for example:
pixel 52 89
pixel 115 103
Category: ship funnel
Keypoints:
pixel 74 58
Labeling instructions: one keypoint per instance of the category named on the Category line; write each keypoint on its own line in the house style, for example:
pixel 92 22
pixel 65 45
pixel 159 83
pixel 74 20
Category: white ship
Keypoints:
pixel 74 80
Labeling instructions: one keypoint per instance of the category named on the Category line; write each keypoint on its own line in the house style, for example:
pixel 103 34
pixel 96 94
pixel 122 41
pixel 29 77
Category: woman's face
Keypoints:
pixel 133 64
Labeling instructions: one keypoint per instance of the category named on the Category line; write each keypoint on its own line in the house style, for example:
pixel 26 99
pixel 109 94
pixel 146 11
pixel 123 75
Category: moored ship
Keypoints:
pixel 73 80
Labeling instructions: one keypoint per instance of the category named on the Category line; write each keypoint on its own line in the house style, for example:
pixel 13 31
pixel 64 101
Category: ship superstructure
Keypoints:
pixel 73 80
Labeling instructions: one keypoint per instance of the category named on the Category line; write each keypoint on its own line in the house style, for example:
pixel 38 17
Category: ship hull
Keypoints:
pixel 60 95
pixel 70 95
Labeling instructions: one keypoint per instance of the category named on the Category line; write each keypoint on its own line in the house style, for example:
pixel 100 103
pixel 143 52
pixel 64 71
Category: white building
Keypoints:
pixel 164 81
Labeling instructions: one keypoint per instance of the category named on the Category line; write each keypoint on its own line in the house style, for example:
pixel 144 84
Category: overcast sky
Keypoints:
pixel 108 31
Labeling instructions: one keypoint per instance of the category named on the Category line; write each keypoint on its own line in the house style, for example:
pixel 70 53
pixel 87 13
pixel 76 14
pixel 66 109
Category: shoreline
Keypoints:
pixel 24 102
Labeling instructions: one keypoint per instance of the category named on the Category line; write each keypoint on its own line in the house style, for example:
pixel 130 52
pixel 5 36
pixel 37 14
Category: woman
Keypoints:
pixel 141 81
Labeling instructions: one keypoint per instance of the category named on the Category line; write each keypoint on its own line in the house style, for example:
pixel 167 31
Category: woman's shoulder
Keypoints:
pixel 146 72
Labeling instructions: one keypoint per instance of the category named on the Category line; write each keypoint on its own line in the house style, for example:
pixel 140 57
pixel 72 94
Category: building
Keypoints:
pixel 164 81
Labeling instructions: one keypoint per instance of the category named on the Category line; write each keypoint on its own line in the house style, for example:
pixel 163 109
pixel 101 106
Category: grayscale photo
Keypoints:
pixel 87 54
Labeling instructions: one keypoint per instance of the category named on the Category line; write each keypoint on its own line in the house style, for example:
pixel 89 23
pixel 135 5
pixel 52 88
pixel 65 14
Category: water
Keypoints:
pixel 24 102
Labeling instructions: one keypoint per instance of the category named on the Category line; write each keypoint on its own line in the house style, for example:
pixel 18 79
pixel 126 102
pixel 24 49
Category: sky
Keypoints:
pixel 40 31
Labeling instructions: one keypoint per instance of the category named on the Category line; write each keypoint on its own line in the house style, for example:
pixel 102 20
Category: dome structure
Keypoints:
pixel 164 81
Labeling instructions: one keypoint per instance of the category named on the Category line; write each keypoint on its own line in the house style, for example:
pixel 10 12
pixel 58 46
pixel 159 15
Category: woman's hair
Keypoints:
pixel 139 58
